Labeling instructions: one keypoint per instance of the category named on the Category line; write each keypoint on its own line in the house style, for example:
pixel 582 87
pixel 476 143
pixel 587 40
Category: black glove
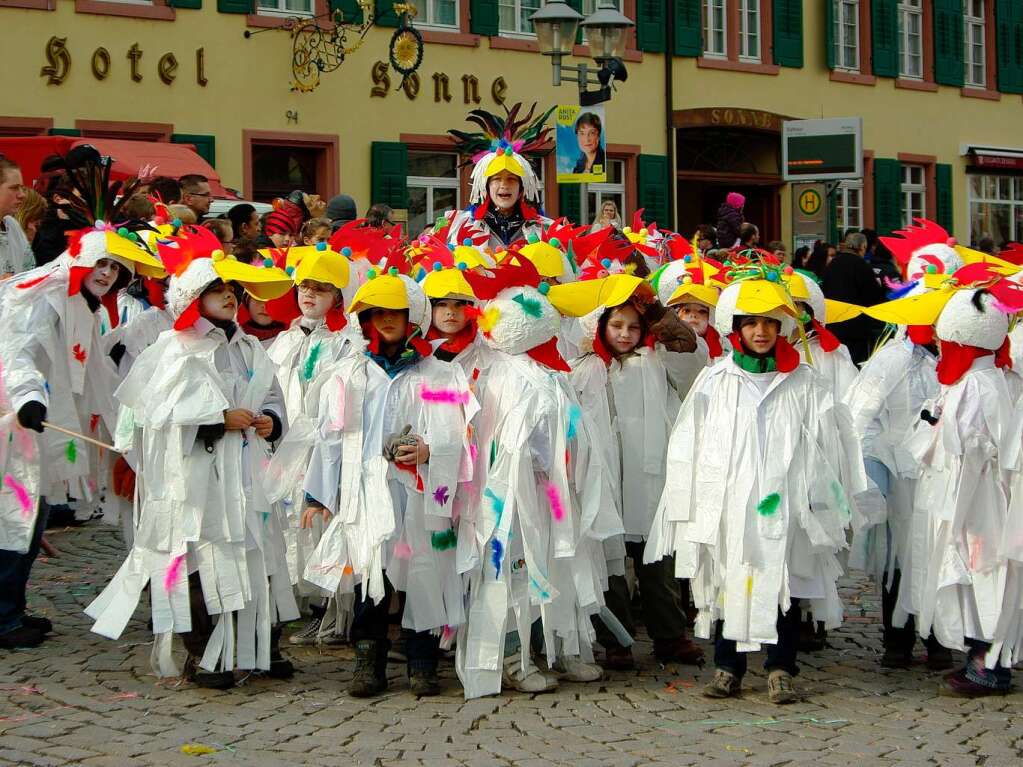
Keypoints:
pixel 32 415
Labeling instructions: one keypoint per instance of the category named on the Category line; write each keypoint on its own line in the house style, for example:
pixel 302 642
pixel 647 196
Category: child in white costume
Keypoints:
pixel 547 502
pixel 755 521
pixel 391 450
pixel 311 344
pixel 632 387
pixel 199 407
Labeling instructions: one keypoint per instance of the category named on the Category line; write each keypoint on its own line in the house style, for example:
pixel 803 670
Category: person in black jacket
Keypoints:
pixel 848 277
pixel 730 219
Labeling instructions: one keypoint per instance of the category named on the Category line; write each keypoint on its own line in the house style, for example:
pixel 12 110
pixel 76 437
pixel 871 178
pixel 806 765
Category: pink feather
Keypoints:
pixel 22 494
pixel 443 396
pixel 554 499
pixel 473 454
pixel 402 550
pixel 173 573
pixel 339 415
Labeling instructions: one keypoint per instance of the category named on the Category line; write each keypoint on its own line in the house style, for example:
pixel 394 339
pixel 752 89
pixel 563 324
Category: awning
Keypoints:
pixel 994 158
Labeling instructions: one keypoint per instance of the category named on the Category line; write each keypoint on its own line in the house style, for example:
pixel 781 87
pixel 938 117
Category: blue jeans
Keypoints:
pixel 780 657
pixel 14 571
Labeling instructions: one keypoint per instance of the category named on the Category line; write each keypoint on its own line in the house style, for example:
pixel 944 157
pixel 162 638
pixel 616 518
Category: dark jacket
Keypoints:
pixel 729 221
pixel 850 278
pixel 580 164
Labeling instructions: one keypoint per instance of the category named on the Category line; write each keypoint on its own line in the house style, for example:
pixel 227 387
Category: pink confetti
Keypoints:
pixel 444 396
pixel 173 573
pixel 447 633
pixel 402 550
pixel 554 499
pixel 473 453
pixel 22 494
pixel 339 413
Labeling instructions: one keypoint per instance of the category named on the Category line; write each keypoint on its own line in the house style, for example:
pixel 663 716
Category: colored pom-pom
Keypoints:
pixel 451 246
pixel 931 269
pixel 643 232
pixel 123 231
pixel 268 262
pixel 437 266
pixel 532 239
pixel 467 242
pixel 462 266
pixel 321 246
pixel 393 271
pixel 554 499
pixel 788 270
pixel 687 280
pixel 346 252
pixel 627 230
pixel 555 242
pixel 687 259
pixel 289 270
pixel 218 255
pixel 606 263
pixel 772 276
pixel 176 223
pixel 173 574
pixel 22 494
pixel 371 274
pixel 443 396
pixel 99 226
pixel 543 288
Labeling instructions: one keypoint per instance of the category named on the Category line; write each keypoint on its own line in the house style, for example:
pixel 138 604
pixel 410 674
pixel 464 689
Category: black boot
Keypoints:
pixel 211 680
pixel 370 669
pixel 280 667
pixel 423 680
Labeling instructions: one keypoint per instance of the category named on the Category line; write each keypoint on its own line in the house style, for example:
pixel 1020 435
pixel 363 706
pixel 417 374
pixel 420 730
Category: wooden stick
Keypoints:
pixel 70 433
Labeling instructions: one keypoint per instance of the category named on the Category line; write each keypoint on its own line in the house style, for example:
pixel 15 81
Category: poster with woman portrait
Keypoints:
pixel 581 144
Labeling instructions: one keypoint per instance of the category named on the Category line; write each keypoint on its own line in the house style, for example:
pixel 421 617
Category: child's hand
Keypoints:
pixel 238 419
pixel 263 424
pixel 310 514
pixel 413 454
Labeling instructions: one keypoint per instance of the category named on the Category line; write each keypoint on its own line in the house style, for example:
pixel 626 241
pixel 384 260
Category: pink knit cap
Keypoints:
pixel 735 200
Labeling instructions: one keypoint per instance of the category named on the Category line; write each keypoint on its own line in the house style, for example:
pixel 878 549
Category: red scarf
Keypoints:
pixel 955 359
pixel 412 339
pixel 455 345
pixel 921 335
pixel 547 354
pixel 786 358
pixel 829 342
pixel 713 341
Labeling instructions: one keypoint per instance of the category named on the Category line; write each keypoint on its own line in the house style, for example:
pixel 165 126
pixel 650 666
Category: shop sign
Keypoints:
pixel 442 86
pixel 58 63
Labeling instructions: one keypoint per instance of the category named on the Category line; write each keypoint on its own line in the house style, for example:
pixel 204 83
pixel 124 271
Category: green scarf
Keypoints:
pixel 752 364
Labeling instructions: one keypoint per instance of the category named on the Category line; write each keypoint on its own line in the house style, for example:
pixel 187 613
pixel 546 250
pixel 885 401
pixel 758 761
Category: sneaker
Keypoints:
pixel 327 635
pixel 571 668
pixel 530 680
pixel 619 659
pixel 680 650
pixel 307 634
pixel 724 685
pixel 37 622
pixel 423 683
pixel 896 657
pixel 779 687
pixel 23 636
pixel 957 685
pixel 939 658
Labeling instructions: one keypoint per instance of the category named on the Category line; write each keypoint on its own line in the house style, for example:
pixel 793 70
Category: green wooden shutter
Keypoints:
pixel 650 25
pixel 389 170
pixel 834 235
pixel 945 214
pixel 193 4
pixel 829 34
pixel 577 5
pixel 652 188
pixel 483 18
pixel 688 28
pixel 887 195
pixel 948 42
pixel 64 132
pixel 236 6
pixel 570 202
pixel 385 15
pixel 351 11
pixel 787 23
pixel 884 30
pixel 205 145
pixel 1009 45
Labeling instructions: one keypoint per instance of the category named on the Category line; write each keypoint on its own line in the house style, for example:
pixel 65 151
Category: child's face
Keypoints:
pixel 624 330
pixel 102 277
pixel 320 235
pixel 315 299
pixel 281 239
pixel 390 324
pixel 697 316
pixel 449 317
pixel 219 302
pixel 258 313
pixel 760 334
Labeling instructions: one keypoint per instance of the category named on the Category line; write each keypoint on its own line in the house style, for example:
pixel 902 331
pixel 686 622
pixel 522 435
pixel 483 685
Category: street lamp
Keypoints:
pixel 606 29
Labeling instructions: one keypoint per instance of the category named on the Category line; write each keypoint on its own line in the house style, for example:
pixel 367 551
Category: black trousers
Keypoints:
pixel 780 656
pixel 371 622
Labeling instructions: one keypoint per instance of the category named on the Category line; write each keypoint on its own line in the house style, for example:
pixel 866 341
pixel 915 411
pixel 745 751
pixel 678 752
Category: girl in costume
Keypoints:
pixel 755 521
pixel 200 407
pixel 547 502
pixel 390 454
pixel 632 387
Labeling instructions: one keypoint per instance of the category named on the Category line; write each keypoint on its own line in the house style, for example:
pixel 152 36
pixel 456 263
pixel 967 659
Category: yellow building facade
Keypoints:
pixel 936 82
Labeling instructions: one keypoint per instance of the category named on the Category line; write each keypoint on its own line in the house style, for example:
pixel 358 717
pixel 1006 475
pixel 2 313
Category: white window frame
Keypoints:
pixel 846 10
pixel 503 32
pixel 710 30
pixel 842 206
pixel 426 13
pixel 589 6
pixel 600 189
pixel 749 34
pixel 908 188
pixel 1014 202
pixel 971 25
pixel 282 10
pixel 908 9
pixel 435 182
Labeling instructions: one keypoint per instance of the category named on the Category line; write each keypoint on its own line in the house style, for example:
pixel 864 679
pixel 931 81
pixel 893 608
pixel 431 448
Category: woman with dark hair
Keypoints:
pixel 820 256
pixel 588 130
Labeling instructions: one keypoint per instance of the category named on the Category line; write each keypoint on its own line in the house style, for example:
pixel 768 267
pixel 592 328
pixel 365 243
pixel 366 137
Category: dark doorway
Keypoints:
pixel 277 170
pixel 700 198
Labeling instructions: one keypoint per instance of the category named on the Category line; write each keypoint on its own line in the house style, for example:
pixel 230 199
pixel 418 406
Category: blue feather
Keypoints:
pixel 496 555
pixel 902 290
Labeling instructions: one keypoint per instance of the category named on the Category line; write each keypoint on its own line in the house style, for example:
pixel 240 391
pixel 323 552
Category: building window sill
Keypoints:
pixel 738 66
pixel 158 11
pixel 514 44
pixel 980 93
pixel 36 5
pixel 916 85
pixel 857 78
pixel 439 37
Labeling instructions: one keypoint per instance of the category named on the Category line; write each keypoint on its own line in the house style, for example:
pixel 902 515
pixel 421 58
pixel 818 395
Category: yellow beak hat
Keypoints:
pixel 393 290
pixel 319 263
pixel 757 289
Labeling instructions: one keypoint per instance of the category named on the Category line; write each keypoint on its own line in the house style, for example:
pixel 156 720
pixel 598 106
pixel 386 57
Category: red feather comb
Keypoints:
pixel 913 238
pixel 191 242
pixel 513 272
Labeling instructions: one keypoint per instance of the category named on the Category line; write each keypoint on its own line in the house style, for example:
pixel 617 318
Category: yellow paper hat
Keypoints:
pixel 144 262
pixel 447 283
pixel 470 256
pixel 320 263
pixel 381 291
pixel 260 282
pixel 548 260
pixel 692 291
pixel 505 161
pixel 577 299
pixel 971 256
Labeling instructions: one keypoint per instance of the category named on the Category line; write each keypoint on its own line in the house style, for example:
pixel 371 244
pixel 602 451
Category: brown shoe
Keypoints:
pixel 725 685
pixel 679 650
pixel 779 687
pixel 619 659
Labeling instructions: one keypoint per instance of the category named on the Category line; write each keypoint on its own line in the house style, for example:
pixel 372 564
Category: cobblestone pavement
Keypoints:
pixel 82 699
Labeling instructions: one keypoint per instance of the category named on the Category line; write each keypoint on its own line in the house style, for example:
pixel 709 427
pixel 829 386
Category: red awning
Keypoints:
pixel 995 159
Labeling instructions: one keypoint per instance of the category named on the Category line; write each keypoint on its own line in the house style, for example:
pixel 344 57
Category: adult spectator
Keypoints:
pixel 730 218
pixel 749 236
pixel 166 189
pixel 15 253
pixel 820 257
pixel 706 238
pixel 777 247
pixel 341 210
pixel 31 213
pixel 848 277
pixel 379 216
pixel 244 221
pixel 847 232
pixel 608 217
pixel 800 257
pixel 881 259
pixel 222 228
pixel 138 208
pixel 196 194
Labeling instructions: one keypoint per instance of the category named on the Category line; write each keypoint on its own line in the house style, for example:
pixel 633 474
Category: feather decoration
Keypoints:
pixel 769 505
pixel 72 452
pixel 173 574
pixel 496 505
pixel 530 306
pixel 22 494
pixel 443 396
pixel 496 555
pixel 402 550
pixel 574 414
pixel 310 363
pixel 441 495
pixel 442 540
pixel 554 499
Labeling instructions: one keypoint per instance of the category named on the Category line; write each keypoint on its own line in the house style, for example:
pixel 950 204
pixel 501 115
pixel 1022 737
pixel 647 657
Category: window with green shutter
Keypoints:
pixel 884 31
pixel 350 9
pixel 829 33
pixel 385 15
pixel 945 213
pixel 1009 45
pixel 389 171
pixel 887 195
pixel 948 42
pixel 236 6
pixel 205 145
pixel 787 23
pixel 688 27
pixel 570 203
pixel 834 235
pixel 192 4
pixel 483 18
pixel 652 188
pixel 650 34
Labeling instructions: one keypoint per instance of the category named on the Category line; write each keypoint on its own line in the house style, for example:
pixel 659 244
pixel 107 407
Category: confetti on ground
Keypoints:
pixel 197 749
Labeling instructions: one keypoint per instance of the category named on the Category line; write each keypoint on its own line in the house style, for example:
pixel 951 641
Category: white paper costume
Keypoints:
pixel 200 505
pixel 762 472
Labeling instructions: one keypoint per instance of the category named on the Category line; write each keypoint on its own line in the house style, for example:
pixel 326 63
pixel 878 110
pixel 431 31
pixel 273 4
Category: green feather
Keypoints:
pixel 838 495
pixel 443 540
pixel 769 505
pixel 72 452
pixel 529 305
pixel 493 452
pixel 310 362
